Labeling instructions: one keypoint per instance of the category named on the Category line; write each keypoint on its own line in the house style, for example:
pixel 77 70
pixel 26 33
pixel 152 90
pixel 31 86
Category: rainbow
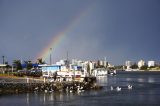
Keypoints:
pixel 58 38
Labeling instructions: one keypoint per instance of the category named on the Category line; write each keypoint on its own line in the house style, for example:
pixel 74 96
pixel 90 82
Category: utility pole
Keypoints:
pixel 50 56
pixel 67 61
pixel 3 59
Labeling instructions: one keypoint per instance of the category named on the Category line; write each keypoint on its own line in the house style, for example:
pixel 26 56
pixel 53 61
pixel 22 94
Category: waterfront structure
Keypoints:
pixel 76 69
pixel 101 63
pixel 3 65
pixel 84 66
pixel 62 72
pixel 2 68
pixel 110 65
pixel 151 63
pixel 49 70
pixel 99 72
pixel 70 75
pixel 105 62
pixel 61 62
pixel 77 62
pixel 91 66
pixel 128 64
pixel 141 63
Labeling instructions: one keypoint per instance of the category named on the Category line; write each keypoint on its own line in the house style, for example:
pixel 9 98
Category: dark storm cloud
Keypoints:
pixel 116 29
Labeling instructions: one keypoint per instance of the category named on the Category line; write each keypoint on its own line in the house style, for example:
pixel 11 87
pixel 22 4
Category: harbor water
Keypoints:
pixel 144 92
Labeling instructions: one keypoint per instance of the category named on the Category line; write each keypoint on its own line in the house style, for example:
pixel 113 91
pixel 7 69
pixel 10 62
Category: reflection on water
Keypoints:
pixel 27 99
pixel 145 91
pixel 128 79
pixel 151 80
pixel 140 80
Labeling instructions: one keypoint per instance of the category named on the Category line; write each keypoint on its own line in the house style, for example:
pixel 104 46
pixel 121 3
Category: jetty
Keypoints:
pixel 12 86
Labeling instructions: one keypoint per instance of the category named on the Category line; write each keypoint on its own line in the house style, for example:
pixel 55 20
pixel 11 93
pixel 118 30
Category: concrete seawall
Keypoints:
pixel 74 86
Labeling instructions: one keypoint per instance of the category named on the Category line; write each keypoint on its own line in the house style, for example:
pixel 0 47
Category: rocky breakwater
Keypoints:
pixel 89 83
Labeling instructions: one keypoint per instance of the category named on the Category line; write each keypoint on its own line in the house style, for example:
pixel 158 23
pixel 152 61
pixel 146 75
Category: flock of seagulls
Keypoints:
pixel 119 88
pixel 71 89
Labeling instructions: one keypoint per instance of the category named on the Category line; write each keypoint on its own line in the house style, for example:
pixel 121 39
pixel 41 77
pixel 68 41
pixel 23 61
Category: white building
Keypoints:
pixel 101 63
pixel 85 66
pixel 128 64
pixel 2 68
pixel 91 65
pixel 61 62
pixel 76 62
pixel 99 72
pixel 49 70
pixel 151 63
pixel 141 63
pixel 3 65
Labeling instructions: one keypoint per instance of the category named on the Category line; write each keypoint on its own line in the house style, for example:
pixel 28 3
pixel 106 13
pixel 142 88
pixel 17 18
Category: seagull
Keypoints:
pixel 36 88
pixel 45 91
pixel 118 88
pixel 71 91
pixel 78 89
pixel 129 86
pixel 111 88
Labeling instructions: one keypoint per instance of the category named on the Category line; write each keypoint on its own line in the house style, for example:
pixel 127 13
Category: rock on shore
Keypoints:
pixel 73 86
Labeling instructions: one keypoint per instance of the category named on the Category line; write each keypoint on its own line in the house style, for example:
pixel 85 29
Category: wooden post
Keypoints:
pixel 44 80
pixel 27 80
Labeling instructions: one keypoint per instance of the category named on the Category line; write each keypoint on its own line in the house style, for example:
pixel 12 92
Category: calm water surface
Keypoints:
pixel 145 91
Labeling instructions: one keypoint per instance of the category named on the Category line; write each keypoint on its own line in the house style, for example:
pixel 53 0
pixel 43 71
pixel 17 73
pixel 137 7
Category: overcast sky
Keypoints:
pixel 119 30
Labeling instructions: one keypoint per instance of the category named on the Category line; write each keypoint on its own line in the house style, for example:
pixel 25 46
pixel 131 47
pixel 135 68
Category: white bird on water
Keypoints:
pixel 45 91
pixel 118 88
pixel 129 86
pixel 111 88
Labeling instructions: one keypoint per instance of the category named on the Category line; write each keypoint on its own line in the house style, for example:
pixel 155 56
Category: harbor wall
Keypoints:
pixel 89 83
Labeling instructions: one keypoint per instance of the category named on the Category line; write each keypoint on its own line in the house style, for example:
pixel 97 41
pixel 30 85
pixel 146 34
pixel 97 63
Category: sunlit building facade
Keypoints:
pixel 151 63
pixel 141 63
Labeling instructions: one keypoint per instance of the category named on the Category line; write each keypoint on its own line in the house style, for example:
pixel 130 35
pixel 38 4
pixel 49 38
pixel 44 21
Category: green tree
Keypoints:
pixel 40 61
pixel 152 67
pixel 134 66
pixel 144 67
pixel 28 64
pixel 7 65
pixel 17 64
pixel 119 67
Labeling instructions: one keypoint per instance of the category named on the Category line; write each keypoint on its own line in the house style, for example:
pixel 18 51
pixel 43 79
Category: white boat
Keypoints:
pixel 100 72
